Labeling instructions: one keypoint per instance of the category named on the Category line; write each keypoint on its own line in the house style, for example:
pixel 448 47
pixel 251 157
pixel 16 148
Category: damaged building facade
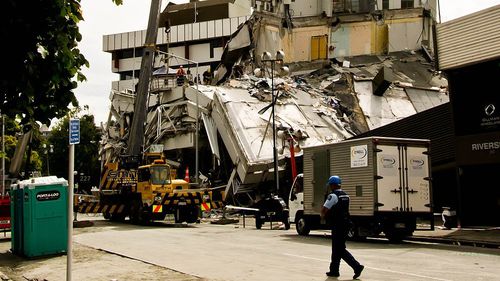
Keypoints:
pixel 312 30
pixel 197 31
pixel 465 132
pixel 364 74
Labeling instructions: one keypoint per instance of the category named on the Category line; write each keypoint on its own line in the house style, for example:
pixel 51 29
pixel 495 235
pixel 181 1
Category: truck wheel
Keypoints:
pixel 302 227
pixel 135 212
pixel 187 214
pixel 192 215
pixel 117 217
pixel 146 217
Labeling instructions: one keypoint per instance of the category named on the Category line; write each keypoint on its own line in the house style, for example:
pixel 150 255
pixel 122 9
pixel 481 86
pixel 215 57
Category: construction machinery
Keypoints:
pixel 148 192
pixel 142 185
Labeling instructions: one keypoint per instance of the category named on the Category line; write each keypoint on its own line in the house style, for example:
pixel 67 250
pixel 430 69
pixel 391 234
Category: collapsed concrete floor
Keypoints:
pixel 233 132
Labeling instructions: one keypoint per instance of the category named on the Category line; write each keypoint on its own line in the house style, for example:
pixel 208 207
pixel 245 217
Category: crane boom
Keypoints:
pixel 136 131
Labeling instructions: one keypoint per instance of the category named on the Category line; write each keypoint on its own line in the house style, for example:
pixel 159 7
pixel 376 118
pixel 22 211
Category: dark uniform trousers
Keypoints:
pixel 339 251
pixel 340 222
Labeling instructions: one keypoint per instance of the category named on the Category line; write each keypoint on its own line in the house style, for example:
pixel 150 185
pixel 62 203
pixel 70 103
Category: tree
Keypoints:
pixel 12 132
pixel 86 152
pixel 41 58
pixel 11 128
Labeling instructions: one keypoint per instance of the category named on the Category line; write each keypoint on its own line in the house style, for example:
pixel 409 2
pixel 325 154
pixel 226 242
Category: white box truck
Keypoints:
pixel 387 180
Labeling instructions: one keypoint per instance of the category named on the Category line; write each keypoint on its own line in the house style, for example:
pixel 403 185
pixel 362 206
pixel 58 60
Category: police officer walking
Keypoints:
pixel 336 210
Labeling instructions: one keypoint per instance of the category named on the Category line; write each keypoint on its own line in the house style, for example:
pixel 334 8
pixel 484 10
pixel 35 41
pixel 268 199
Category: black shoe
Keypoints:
pixel 357 273
pixel 332 274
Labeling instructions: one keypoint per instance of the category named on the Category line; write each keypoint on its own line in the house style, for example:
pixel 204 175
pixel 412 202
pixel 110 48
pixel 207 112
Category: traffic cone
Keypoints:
pixel 186 174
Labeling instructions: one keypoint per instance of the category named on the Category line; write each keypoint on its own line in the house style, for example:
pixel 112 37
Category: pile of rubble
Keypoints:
pixel 314 107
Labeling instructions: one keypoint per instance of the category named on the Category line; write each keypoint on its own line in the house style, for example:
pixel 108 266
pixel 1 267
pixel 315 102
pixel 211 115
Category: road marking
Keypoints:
pixel 410 274
pixel 374 268
pixel 304 257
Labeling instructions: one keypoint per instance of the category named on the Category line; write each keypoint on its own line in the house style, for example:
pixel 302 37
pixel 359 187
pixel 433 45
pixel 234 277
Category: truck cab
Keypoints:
pixel 304 223
pixel 162 194
pixel 296 198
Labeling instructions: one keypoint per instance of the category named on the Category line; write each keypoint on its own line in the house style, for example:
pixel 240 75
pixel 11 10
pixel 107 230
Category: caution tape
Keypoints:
pixel 170 200
pixel 95 207
pixel 181 198
pixel 217 204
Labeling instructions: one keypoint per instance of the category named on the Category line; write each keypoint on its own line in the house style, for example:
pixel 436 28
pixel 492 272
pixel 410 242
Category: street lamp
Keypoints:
pixel 47 150
pixel 266 58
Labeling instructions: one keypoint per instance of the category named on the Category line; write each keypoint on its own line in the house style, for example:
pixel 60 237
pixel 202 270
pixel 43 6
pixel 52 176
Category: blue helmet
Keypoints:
pixel 335 180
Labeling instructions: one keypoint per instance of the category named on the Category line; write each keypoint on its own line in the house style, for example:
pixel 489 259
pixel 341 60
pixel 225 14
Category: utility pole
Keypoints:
pixel 266 57
pixel 136 131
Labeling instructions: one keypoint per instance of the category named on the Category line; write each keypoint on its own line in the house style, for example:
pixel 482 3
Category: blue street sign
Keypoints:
pixel 74 131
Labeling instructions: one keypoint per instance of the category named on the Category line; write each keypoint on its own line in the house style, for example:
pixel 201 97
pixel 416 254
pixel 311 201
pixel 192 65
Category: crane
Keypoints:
pixel 136 130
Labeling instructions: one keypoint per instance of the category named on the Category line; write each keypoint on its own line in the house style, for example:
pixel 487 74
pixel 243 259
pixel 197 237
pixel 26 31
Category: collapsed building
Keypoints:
pixel 322 106
pixel 224 129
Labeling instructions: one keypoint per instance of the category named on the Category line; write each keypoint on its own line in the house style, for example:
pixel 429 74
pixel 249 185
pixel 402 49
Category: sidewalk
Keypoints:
pixel 478 237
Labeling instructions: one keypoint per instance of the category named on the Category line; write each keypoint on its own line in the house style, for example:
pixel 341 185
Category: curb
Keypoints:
pixel 458 242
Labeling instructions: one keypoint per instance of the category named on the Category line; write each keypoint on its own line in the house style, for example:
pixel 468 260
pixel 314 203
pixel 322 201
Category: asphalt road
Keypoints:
pixel 231 252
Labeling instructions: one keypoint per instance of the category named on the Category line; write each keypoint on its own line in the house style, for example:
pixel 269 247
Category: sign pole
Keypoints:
pixel 74 138
pixel 70 210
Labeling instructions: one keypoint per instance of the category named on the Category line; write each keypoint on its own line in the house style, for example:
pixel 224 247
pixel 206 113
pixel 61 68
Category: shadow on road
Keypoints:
pixel 381 243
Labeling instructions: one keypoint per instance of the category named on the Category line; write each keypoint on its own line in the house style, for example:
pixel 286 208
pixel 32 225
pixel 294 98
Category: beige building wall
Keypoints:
pixel 297 45
pixel 352 39
pixel 361 38
pixel 372 38
pixel 268 41
pixel 349 39
pixel 380 39
pixel 405 34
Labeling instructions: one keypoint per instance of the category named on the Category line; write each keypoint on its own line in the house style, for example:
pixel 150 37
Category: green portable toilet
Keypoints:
pixel 44 229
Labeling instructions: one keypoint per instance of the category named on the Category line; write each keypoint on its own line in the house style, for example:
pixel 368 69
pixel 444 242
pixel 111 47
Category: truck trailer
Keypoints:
pixel 387 179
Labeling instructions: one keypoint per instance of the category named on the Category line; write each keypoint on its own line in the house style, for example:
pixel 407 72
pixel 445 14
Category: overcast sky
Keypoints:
pixel 102 17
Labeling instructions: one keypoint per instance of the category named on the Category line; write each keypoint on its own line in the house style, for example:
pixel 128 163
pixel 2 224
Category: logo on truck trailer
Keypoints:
pixel 359 156
pixel 387 161
pixel 417 163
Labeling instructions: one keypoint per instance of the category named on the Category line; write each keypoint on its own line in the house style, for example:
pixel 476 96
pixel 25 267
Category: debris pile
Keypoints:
pixel 312 107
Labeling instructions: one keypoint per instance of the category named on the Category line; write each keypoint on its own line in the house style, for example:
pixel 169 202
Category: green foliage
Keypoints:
pixel 86 153
pixel 10 147
pixel 12 130
pixel 42 61
pixel 36 161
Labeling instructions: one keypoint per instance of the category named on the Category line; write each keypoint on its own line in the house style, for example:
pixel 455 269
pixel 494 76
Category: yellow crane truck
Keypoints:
pixel 150 192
